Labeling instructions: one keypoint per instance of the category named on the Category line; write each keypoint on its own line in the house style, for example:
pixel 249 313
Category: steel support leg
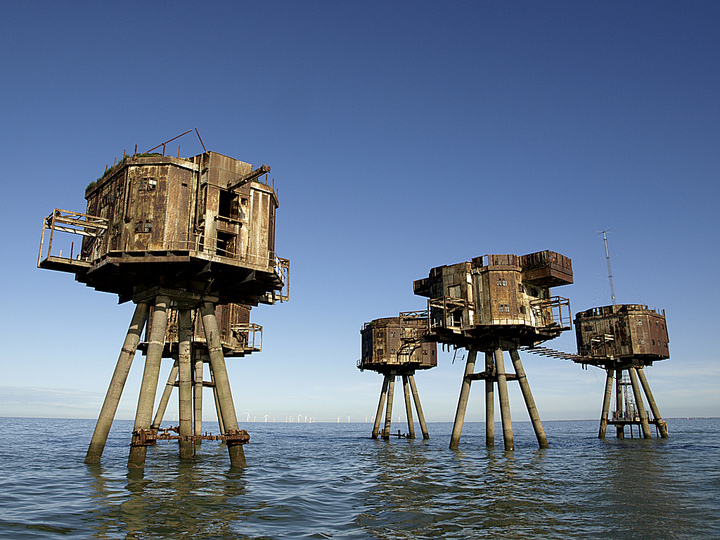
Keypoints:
pixel 463 400
pixel 222 383
pixel 143 416
pixel 197 397
pixel 529 401
pixel 221 424
pixel 662 426
pixel 187 448
pixel 619 429
pixel 388 409
pixel 639 403
pixel 380 407
pixel 607 398
pixel 165 398
pixel 408 407
pixel 418 407
pixel 504 401
pixel 489 400
pixel 117 384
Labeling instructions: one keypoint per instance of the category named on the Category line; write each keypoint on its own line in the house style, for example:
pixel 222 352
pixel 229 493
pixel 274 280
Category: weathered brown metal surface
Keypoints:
pixel 149 437
pixel 179 218
pixel 395 344
pixel 498 300
pixel 621 335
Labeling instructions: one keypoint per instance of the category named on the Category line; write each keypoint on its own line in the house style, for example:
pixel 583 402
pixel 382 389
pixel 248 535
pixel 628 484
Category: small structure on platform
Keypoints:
pixel 492 304
pixel 394 346
pixel 190 241
pixel 624 338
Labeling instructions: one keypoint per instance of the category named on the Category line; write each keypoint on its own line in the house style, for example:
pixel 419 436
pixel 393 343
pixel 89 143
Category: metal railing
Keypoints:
pixel 65 221
pixel 247 334
pixel 552 313
pixel 442 312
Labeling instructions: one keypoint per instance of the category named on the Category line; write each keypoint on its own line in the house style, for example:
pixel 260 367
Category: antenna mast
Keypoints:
pixel 607 258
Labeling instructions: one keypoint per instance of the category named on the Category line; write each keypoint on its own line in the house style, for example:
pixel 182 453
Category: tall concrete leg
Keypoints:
pixel 639 403
pixel 143 416
pixel 606 404
pixel 529 401
pixel 222 383
pixel 162 406
pixel 504 401
pixel 408 407
pixel 418 407
pixel 489 400
pixel 187 449
pixel 463 400
pixel 619 429
pixel 381 405
pixel 117 384
pixel 221 425
pixel 388 409
pixel 197 397
pixel 662 426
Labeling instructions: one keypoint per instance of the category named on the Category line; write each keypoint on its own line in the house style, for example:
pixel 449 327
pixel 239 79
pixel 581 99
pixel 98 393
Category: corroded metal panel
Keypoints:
pixel 629 332
pixel 396 343
pixel 547 268
pixel 497 297
pixel 179 222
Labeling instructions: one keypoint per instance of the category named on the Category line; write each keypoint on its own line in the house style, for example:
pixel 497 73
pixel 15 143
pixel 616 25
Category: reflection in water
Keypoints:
pixel 170 498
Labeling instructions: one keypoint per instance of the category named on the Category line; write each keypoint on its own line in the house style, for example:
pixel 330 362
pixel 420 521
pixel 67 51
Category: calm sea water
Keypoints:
pixel 333 481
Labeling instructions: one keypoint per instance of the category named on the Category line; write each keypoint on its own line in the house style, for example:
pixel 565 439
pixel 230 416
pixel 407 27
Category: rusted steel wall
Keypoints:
pixel 160 203
pixel 622 332
pixel 396 342
pixel 547 268
pixel 496 289
pixel 147 202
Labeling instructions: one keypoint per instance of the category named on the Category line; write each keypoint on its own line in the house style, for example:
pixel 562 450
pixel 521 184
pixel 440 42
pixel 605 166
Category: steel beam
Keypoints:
pixel 187 449
pixel 529 401
pixel 408 407
pixel 222 383
pixel 504 401
pixel 143 416
pixel 489 400
pixel 418 407
pixel 607 398
pixel 380 407
pixel 661 425
pixel 117 384
pixel 463 400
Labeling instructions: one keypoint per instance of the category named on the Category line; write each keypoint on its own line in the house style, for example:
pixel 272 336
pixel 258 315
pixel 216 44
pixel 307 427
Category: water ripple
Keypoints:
pixel 333 481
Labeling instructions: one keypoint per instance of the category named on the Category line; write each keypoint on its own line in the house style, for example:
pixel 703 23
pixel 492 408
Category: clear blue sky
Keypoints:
pixel 401 136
